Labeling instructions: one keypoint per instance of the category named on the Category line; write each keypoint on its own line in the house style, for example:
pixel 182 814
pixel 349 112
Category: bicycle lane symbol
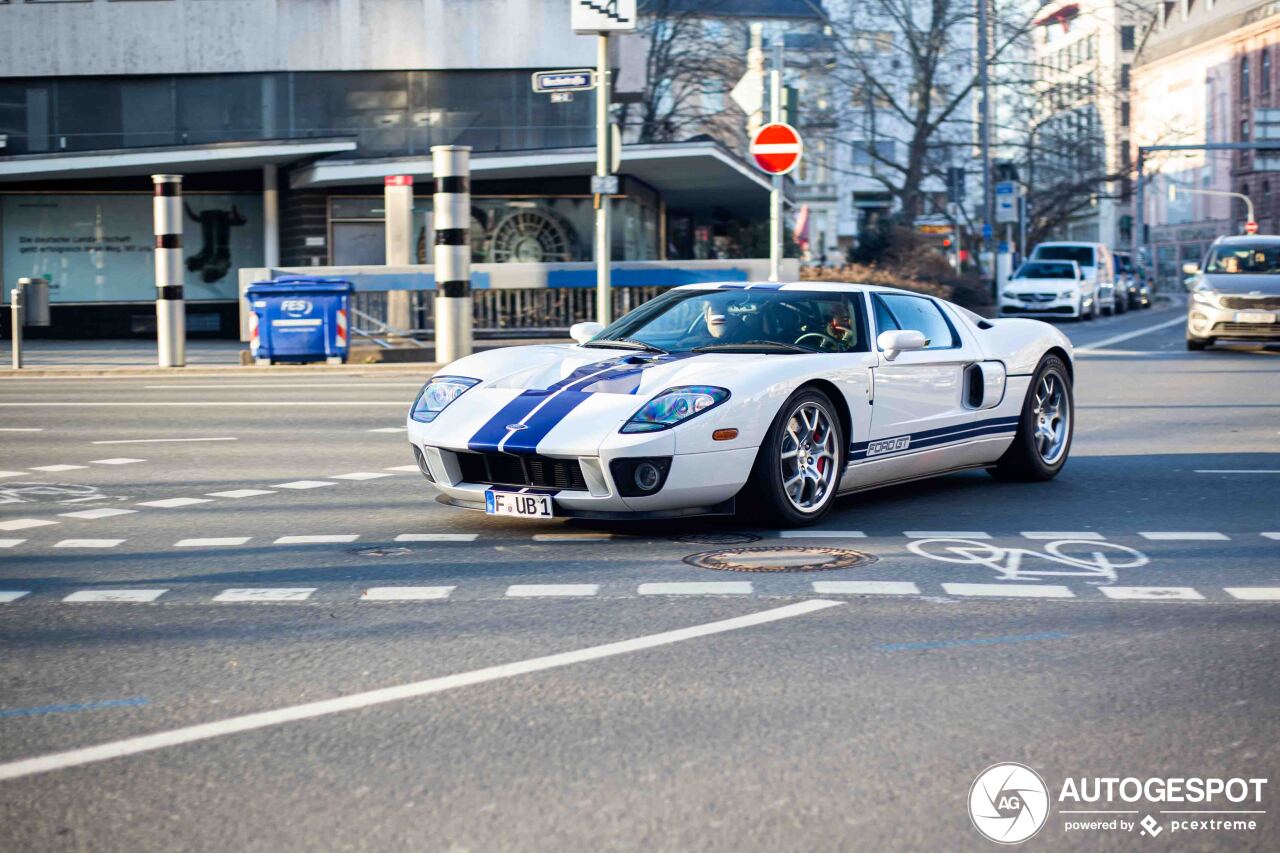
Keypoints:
pixel 1097 560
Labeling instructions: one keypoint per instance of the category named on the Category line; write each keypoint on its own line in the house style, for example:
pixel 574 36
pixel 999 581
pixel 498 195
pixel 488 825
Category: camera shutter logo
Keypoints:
pixel 1008 803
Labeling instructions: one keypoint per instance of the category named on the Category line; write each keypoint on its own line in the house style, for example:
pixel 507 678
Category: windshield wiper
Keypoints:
pixel 625 343
pixel 755 346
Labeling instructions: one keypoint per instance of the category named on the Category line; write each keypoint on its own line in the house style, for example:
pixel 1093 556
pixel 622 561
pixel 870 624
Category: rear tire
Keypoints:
pixel 798 468
pixel 1043 441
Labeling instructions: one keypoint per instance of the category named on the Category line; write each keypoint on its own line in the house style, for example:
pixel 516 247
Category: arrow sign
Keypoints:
pixel 598 16
pixel 776 148
pixel 749 93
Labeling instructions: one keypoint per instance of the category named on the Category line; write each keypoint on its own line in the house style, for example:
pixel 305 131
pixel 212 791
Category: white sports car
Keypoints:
pixel 762 399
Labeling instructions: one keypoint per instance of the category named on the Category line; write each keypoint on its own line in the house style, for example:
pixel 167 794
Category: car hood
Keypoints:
pixel 1050 283
pixel 1243 284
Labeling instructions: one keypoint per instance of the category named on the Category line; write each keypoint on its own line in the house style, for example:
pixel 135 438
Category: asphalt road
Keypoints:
pixel 293 646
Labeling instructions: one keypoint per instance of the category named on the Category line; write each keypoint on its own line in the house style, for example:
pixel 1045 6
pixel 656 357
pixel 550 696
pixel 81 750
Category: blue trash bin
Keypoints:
pixel 299 319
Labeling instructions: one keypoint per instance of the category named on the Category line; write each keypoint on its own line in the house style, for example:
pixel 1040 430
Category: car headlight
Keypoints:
pixel 437 394
pixel 674 406
pixel 1205 295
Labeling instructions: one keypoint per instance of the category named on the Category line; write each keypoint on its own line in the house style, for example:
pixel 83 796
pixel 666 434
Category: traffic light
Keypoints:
pixel 955 184
pixel 791 105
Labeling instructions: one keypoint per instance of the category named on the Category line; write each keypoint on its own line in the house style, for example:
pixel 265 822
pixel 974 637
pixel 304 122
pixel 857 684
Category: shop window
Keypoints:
pixel 1127 37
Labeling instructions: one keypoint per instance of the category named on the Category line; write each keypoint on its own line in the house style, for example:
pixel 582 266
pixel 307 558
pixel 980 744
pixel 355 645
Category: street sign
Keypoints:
pixel 561 97
pixel 1006 202
pixel 604 184
pixel 567 80
pixel 398 181
pixel 748 94
pixel 1251 227
pixel 598 16
pixel 776 148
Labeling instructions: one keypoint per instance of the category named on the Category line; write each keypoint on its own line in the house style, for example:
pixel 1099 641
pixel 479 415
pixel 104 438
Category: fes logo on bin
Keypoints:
pixel 296 306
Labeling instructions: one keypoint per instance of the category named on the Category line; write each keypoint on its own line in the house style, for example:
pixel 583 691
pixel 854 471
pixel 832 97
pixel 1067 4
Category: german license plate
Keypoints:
pixel 1255 317
pixel 517 503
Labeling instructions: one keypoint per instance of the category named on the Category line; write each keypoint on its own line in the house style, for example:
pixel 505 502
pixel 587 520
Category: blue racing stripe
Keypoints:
pixel 941 435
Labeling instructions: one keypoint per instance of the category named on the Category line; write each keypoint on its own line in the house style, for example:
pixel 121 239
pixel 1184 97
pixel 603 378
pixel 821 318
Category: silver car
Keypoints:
pixel 1235 294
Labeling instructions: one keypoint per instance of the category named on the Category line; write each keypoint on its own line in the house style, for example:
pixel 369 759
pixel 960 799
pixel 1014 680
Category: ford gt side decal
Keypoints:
pixel 864 450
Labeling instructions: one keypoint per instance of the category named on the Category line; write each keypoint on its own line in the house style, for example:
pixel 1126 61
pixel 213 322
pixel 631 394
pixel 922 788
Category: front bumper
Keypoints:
pixel 1060 306
pixel 1206 322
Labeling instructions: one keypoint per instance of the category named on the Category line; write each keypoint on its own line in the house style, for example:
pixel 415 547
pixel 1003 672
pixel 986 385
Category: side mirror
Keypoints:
pixel 583 332
pixel 1191 268
pixel 898 341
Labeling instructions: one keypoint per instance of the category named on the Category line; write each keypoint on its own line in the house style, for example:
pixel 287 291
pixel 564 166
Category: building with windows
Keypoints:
pixel 1205 72
pixel 284 116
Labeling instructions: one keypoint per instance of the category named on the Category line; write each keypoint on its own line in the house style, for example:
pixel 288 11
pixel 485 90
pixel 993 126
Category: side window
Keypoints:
pixel 918 313
pixel 884 320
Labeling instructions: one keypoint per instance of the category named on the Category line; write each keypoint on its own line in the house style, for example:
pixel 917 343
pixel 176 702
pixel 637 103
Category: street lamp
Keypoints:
pixel 1248 203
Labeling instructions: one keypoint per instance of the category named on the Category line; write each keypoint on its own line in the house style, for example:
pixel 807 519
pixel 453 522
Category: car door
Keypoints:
pixel 919 419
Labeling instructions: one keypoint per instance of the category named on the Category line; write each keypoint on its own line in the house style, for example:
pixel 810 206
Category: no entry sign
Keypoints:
pixel 776 148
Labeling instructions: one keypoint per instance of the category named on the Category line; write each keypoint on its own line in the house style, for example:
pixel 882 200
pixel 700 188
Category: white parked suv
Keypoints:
pixel 1048 289
pixel 1097 263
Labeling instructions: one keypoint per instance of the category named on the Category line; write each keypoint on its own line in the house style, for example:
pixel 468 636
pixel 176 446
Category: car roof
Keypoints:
pixel 810 286
pixel 1250 239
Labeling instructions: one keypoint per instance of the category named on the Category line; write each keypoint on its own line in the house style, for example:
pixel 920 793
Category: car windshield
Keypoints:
pixel 1038 269
pixel 737 319
pixel 1255 259
pixel 1082 255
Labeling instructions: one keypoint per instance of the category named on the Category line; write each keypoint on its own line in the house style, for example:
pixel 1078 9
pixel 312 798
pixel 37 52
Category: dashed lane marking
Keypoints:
pixel 572 537
pixel 696 588
pixel 1152 593
pixel 406 593
pixel 361 475
pixel 390 429
pixel 409 468
pixel 4 474
pixel 1183 536
pixel 1254 593
pixel 7 595
pixel 822 534
pixel 116 460
pixel 24 523
pixel 321 539
pixel 1275 535
pixel 21 429
pixel 437 537
pixel 946 534
pixel 100 512
pixel 11 543
pixel 865 588
pixel 265 594
pixel 1238 470
pixel 1012 590
pixel 174 503
pixel 88 543
pixel 552 590
pixel 1049 534
pixel 114 596
pixel 240 493
pixel 53 469
pixel 162 440
pixel 304 484
pixel 371 698
pixel 212 542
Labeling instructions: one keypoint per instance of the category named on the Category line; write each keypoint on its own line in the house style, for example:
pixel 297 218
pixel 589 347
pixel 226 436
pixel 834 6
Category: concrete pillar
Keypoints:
pixel 397 204
pixel 270 216
pixel 451 165
pixel 171 318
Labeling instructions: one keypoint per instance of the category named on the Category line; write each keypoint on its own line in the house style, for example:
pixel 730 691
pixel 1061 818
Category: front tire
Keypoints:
pixel 1196 344
pixel 798 468
pixel 1043 441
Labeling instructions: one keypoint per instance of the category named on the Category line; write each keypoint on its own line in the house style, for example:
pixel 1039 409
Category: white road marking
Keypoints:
pixel 55 468
pixel 240 493
pixel 11 543
pixel 7 595
pixel 324 707
pixel 946 534
pixel 1254 593
pixel 1183 536
pixel 4 474
pixel 100 512
pixel 266 594
pixel 88 543
pixel 116 460
pixel 304 484
pixel 21 429
pixel 1092 535
pixel 198 404
pixel 1238 470
pixel 120 596
pixel 865 588
pixel 406 593
pixel 360 475
pixel 24 523
pixel 552 590
pixel 572 537
pixel 1272 535
pixel 290 387
pixel 213 542
pixel 1152 593
pixel 173 503
pixel 696 588
pixel 1137 333
pixel 160 440
pixel 1023 590
pixel 410 468
pixel 389 429
pixel 437 537
pixel 822 534
pixel 317 540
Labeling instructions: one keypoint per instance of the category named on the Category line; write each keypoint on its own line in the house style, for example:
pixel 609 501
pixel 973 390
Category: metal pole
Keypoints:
pixel 984 122
pixel 1022 228
pixel 270 216
pixel 451 166
pixel 775 191
pixel 604 248
pixel 15 318
pixel 1138 240
pixel 171 318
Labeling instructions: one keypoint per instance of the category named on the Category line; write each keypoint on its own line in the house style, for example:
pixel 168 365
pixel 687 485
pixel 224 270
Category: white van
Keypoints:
pixel 1095 261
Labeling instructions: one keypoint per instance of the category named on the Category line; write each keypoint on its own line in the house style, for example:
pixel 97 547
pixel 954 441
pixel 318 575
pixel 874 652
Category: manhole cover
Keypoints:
pixel 381 552
pixel 770 558
pixel 716 538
